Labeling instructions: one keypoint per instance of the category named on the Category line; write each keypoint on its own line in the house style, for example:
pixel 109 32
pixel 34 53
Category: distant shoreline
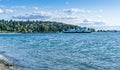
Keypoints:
pixel 56 32
pixel 10 33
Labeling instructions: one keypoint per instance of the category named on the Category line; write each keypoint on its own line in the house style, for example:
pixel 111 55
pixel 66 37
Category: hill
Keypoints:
pixel 35 26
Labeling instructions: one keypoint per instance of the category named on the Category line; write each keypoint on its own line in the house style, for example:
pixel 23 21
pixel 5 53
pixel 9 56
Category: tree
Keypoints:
pixel 35 26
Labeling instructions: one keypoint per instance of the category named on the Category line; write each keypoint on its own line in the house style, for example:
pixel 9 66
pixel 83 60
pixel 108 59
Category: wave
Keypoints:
pixel 8 65
pixel 5 64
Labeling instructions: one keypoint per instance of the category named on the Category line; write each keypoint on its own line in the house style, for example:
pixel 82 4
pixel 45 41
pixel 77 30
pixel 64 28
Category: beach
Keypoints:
pixel 4 64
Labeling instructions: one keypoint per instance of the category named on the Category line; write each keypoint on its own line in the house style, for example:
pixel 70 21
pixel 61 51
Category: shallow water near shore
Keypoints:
pixel 59 51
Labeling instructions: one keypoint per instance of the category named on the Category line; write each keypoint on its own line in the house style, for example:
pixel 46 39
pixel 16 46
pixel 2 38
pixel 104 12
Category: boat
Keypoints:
pixel 77 31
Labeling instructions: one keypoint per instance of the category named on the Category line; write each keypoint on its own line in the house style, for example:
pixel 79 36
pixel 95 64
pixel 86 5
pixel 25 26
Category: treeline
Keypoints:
pixel 106 30
pixel 35 26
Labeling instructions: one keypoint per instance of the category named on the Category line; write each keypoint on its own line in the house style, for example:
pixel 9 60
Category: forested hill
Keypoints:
pixel 34 26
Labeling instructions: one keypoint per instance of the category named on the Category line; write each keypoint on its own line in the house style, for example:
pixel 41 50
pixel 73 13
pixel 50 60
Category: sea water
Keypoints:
pixel 60 51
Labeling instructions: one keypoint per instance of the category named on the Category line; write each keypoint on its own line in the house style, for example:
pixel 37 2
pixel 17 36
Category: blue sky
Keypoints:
pixel 78 12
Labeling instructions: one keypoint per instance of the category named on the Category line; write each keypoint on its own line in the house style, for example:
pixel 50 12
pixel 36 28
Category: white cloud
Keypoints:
pixel 36 8
pixel 18 7
pixel 70 16
pixel 87 22
pixel 101 10
pixel 99 16
pixel 35 15
pixel 65 17
pixel 77 11
pixel 1 11
pixel 72 10
pixel 6 11
pixel 45 15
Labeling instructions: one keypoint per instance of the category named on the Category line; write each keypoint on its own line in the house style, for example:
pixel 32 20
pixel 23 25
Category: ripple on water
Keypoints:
pixel 95 51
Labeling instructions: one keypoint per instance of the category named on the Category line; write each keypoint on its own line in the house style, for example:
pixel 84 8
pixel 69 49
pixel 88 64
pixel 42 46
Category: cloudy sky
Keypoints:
pixel 79 12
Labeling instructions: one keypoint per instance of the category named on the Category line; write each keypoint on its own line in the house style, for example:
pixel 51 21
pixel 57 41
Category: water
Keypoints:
pixel 94 51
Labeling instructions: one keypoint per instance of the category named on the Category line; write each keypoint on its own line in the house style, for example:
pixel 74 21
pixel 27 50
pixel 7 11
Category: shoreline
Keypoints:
pixel 5 64
pixel 47 32
pixel 10 33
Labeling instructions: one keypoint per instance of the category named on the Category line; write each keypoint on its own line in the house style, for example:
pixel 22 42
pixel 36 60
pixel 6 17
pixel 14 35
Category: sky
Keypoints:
pixel 88 13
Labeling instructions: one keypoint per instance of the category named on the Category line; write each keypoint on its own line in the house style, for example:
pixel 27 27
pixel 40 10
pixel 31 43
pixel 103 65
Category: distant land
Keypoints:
pixel 13 26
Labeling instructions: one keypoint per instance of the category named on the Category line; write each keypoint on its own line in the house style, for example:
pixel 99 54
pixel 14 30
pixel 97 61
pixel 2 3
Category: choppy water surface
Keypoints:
pixel 94 51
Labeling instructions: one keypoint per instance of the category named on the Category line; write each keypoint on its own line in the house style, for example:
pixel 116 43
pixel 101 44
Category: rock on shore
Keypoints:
pixel 4 64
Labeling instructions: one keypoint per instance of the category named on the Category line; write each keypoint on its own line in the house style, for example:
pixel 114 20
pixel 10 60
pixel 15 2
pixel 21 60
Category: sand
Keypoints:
pixel 4 64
